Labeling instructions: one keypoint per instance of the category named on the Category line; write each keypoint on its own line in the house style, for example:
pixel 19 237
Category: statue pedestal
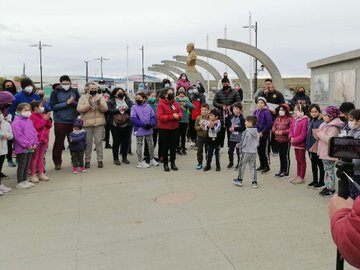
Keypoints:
pixel 193 76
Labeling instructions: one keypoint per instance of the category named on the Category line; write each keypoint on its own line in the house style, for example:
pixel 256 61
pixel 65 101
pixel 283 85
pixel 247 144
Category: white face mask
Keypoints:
pixel 28 89
pixel 300 114
pixel 41 110
pixel 183 78
pixel 281 113
pixel 1 117
pixel 352 124
pixel 26 114
pixel 66 87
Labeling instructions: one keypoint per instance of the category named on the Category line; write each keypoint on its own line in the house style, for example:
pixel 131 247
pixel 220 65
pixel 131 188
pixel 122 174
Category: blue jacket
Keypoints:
pixel 238 122
pixel 64 113
pixel 20 98
pixel 264 121
pixel 313 123
pixel 77 141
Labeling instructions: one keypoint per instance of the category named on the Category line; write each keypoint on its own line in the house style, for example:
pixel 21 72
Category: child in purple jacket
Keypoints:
pixel 143 118
pixel 25 143
pixel 297 136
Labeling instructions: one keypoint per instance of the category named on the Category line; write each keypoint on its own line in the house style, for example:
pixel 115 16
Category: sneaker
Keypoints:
pixel 23 185
pixel 323 191
pixel 11 163
pixel 207 168
pixel 125 161
pixel 43 177
pixel 74 170
pixel 153 163
pixel 294 179
pixel 286 175
pixel 4 189
pixel 83 169
pixel 108 146
pixel 34 179
pixel 236 167
pixel 237 182
pixel 265 170
pixel 218 168
pixel 279 175
pixel 1 193
pixel 117 162
pixel 318 186
pixel 312 184
pixel 199 166
pixel 259 168
pixel 298 181
pixel 231 164
pixel 328 193
pixel 57 167
pixel 142 165
pixel 255 184
pixel 100 164
pixel 4 176
pixel 30 184
pixel 87 165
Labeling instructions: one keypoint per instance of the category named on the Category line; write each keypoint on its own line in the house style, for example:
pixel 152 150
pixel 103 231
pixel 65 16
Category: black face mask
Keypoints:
pixel 226 88
pixel 93 93
pixel 170 96
pixel 11 89
pixel 121 95
pixel 343 118
pixel 139 102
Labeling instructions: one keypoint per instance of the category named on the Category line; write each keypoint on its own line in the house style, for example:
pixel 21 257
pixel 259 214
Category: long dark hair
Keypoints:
pixel 185 76
pixel 164 91
pixel 116 89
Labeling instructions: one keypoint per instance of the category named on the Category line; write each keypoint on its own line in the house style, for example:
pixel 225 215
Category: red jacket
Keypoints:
pixel 42 126
pixel 282 123
pixel 164 114
pixel 345 229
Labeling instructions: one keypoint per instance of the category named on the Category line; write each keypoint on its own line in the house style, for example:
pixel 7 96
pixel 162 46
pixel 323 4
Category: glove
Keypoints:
pixel 147 126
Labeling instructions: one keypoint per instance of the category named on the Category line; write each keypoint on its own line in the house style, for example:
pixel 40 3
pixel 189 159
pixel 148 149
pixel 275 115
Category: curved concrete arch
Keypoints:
pixel 244 81
pixel 203 64
pixel 170 68
pixel 163 71
pixel 259 55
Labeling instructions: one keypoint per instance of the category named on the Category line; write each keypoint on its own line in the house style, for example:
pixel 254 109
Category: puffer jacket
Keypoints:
pixel 92 110
pixel 64 113
pixel 164 114
pixel 42 126
pixel 225 98
pixel 298 130
pixel 282 124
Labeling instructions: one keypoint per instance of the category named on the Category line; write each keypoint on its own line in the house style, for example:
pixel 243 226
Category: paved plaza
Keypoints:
pixel 121 217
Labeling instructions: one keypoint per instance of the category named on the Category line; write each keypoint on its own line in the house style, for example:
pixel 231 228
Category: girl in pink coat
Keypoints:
pixel 42 124
pixel 331 127
pixel 297 136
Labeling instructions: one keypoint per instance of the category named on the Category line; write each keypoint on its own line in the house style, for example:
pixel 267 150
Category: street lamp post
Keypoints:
pixel 101 59
pixel 255 27
pixel 142 64
pixel 87 70
pixel 40 46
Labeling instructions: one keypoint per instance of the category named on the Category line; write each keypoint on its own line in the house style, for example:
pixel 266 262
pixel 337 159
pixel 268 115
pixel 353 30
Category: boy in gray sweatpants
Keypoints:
pixel 248 149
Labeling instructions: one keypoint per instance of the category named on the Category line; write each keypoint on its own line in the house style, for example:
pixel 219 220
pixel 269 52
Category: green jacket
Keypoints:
pixel 186 109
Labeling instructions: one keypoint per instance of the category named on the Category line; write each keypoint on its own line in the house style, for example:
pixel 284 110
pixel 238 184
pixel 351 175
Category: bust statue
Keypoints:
pixel 191 59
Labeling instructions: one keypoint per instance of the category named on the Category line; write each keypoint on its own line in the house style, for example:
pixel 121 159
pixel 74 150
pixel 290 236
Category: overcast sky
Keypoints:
pixel 292 33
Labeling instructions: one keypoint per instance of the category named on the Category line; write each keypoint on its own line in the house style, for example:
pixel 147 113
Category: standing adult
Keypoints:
pixel 63 101
pixel 9 86
pixel 168 115
pixel 225 77
pixel 183 81
pixel 272 96
pixel 92 107
pixel 300 97
pixel 119 121
pixel 106 93
pixel 223 100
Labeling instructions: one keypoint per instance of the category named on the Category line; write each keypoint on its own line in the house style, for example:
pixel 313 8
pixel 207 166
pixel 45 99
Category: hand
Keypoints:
pixel 315 131
pixel 98 102
pixel 182 103
pixel 70 100
pixel 260 134
pixel 231 129
pixel 47 116
pixel 148 126
pixel 34 146
pixel 337 203
pixel 225 107
pixel 292 140
pixel 176 116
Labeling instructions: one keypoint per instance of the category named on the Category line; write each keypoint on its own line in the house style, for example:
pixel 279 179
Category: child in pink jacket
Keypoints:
pixel 297 136
pixel 42 124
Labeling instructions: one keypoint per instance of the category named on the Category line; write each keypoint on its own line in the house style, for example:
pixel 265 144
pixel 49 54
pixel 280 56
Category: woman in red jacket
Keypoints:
pixel 168 115
pixel 345 227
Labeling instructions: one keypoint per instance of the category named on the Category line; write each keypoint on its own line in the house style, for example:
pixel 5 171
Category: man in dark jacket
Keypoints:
pixel 63 101
pixel 300 97
pixel 223 100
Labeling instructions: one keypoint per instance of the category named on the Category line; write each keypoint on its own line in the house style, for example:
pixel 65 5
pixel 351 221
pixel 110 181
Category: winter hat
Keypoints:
pixel 346 107
pixel 263 99
pixel 78 123
pixel 26 82
pixel 285 106
pixel 332 111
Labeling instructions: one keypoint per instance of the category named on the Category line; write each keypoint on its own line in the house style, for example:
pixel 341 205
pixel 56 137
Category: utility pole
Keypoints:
pixel 101 59
pixel 40 46
pixel 87 71
pixel 142 64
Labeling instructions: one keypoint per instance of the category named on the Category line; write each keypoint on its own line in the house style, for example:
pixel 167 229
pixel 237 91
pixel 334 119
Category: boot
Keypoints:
pixel 173 166
pixel 166 167
pixel 207 167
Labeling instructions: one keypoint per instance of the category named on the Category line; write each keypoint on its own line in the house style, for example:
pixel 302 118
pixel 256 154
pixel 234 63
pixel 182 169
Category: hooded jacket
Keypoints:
pixel 345 230
pixel 6 98
pixel 264 121
pixel 64 113
pixel 249 141
pixel 282 124
pixel 298 131
pixel 327 130
pixel 41 126
pixel 25 134
pixel 140 116
pixel 92 110
pixel 164 114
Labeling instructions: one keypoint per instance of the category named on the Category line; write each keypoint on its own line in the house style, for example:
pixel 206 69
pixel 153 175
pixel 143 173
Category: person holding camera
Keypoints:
pixel 345 223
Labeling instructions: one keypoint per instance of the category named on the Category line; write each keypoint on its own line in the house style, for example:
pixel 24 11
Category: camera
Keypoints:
pixel 345 148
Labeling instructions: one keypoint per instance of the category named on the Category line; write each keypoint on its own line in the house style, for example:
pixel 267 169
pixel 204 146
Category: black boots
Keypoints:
pixel 173 166
pixel 166 167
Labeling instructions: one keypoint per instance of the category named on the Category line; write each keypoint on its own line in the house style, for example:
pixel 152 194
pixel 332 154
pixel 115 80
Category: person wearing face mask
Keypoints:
pixel 105 92
pixel 42 124
pixel 197 99
pixel 223 100
pixel 354 125
pixel 168 115
pixel 5 135
pixel 331 127
pixel 300 97
pixel 25 143
pixel 152 100
pixel 92 108
pixel 26 95
pixel 9 86
pixel 281 129
pixel 238 89
pixel 63 101
pixel 183 81
pixel 345 109
pixel 225 77
pixel 120 125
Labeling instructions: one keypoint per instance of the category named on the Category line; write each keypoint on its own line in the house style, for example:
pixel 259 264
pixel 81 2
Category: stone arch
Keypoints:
pixel 163 71
pixel 244 81
pixel 170 68
pixel 259 55
pixel 203 64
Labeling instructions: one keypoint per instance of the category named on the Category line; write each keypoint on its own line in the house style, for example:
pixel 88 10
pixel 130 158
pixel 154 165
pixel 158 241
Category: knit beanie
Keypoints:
pixel 332 111
pixel 263 99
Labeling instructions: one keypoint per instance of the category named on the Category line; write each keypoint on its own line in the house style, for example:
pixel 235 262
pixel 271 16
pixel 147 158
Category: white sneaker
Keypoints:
pixel 142 165
pixel 154 163
pixel 23 184
pixel 43 177
pixel 4 189
pixel 34 179
pixel 1 193
pixel 29 183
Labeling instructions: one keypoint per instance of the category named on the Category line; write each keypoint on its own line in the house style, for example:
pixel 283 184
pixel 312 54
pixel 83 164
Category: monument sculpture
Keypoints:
pixel 191 71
